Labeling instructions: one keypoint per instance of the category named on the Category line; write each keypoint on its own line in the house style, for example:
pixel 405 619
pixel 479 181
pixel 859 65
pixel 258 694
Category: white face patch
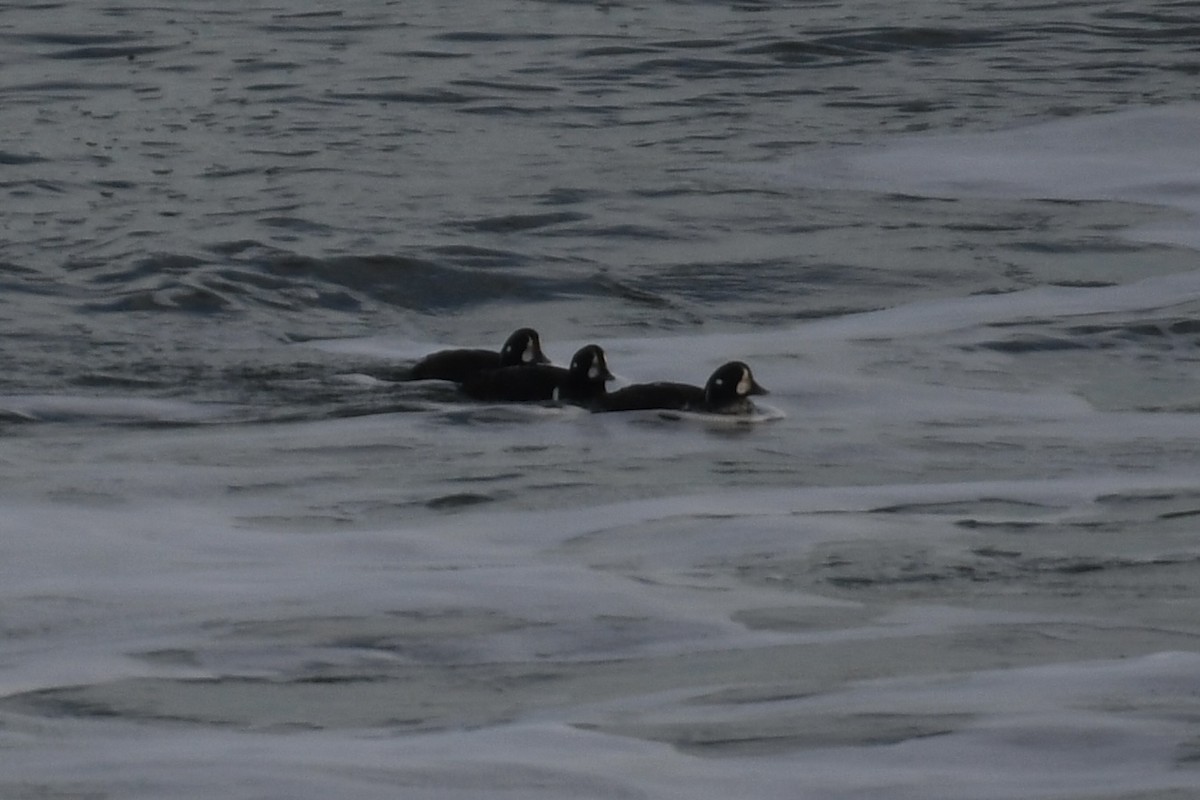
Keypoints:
pixel 744 385
pixel 527 355
pixel 554 395
pixel 594 372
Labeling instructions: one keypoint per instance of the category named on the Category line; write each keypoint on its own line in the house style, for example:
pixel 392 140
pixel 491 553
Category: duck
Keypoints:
pixel 579 384
pixel 727 391
pixel 522 349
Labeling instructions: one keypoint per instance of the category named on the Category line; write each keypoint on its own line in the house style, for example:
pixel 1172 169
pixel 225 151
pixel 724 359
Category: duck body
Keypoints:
pixel 658 395
pixel 579 384
pixel 727 391
pixel 454 365
pixel 521 350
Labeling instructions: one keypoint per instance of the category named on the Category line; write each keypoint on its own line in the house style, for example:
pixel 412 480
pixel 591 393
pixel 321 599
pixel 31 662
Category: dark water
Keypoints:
pixel 181 183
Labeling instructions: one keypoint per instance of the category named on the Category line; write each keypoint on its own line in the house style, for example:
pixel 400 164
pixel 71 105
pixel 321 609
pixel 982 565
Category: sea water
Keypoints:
pixel 952 555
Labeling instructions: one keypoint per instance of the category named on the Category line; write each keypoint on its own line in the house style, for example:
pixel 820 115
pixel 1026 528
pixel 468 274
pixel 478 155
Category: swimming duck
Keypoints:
pixel 727 392
pixel 523 348
pixel 580 384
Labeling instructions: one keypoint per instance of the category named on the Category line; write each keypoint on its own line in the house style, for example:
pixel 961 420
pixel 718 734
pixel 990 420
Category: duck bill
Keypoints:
pixel 756 388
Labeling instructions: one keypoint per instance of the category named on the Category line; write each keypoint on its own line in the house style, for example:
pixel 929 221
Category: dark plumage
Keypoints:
pixel 727 392
pixel 522 349
pixel 579 384
pixel 662 395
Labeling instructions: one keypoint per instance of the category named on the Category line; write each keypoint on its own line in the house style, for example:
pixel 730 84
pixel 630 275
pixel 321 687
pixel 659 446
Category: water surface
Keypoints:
pixel 954 556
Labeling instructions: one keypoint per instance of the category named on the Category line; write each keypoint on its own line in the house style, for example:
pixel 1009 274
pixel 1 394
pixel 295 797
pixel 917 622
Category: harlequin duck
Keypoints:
pixel 580 384
pixel 523 348
pixel 727 392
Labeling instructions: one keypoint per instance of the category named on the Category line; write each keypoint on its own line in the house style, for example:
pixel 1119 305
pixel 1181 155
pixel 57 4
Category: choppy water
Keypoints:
pixel 954 557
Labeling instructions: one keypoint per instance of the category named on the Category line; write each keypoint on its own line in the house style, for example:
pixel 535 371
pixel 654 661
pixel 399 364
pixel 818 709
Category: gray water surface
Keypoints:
pixel 952 556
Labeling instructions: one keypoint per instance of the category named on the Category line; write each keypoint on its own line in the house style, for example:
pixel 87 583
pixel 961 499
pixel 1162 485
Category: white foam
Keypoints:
pixel 1037 732
pixel 166 558
pixel 1142 155
pixel 113 408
